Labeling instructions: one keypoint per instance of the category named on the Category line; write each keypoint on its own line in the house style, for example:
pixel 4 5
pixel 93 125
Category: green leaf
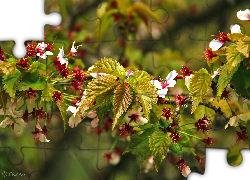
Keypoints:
pixel 10 83
pixel 243 46
pixel 139 144
pixel 32 80
pixel 100 85
pixel 147 95
pixel 48 92
pixel 242 82
pixel 234 57
pixel 37 66
pixel 159 143
pixel 199 86
pixel 109 66
pixel 122 100
pixel 224 78
pixel 62 106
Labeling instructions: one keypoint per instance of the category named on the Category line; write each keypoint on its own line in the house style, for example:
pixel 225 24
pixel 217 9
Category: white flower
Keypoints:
pixel 233 121
pixel 235 28
pixel 74 121
pixel 43 138
pixel 42 46
pixel 163 87
pixel 115 158
pixel 215 73
pixel 135 117
pixel 188 80
pixel 60 57
pixel 14 114
pixel 185 171
pixel 149 164
pixel 129 73
pixel 73 49
pixel 243 15
pixel 215 44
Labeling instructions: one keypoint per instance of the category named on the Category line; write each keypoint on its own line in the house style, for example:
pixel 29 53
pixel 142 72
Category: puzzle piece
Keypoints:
pixel 156 52
pixel 29 14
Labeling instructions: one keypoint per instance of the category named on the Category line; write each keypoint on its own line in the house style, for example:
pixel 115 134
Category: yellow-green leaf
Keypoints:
pixel 141 75
pixel 122 100
pixel 8 68
pixel 234 57
pixel 201 110
pixel 199 86
pixel 109 66
pixel 225 78
pixel 235 36
pixel 146 93
pixel 243 46
pixel 48 92
pixel 100 85
pixel 159 143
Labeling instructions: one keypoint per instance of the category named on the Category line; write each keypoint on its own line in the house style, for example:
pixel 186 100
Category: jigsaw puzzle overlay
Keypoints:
pixel 124 89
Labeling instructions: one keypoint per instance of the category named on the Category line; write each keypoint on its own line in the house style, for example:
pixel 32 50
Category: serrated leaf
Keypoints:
pixel 243 46
pixel 10 83
pixel 139 144
pixel 241 82
pixel 199 86
pixel 62 106
pixel 48 92
pixel 224 78
pixel 37 66
pixel 122 100
pixel 8 68
pixel 141 76
pixel 100 85
pixel 159 143
pixel 147 95
pixel 109 66
pixel 32 80
pixel 234 57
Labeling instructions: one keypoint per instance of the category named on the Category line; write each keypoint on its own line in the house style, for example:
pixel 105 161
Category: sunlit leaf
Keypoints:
pixel 199 86
pixel 122 100
pixel 159 143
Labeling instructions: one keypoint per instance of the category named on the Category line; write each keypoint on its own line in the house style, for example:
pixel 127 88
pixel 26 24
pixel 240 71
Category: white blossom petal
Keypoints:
pixel 215 44
pixel 94 122
pixel 185 171
pixel 43 138
pixel 156 83
pixel 7 121
pixel 235 29
pixel 115 159
pixel 73 109
pixel 73 49
pixel 215 73
pixel 188 80
pixel 243 15
pixel 97 74
pixel 74 121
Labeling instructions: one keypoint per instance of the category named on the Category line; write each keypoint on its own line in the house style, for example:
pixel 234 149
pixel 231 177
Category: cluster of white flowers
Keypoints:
pixel 163 88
